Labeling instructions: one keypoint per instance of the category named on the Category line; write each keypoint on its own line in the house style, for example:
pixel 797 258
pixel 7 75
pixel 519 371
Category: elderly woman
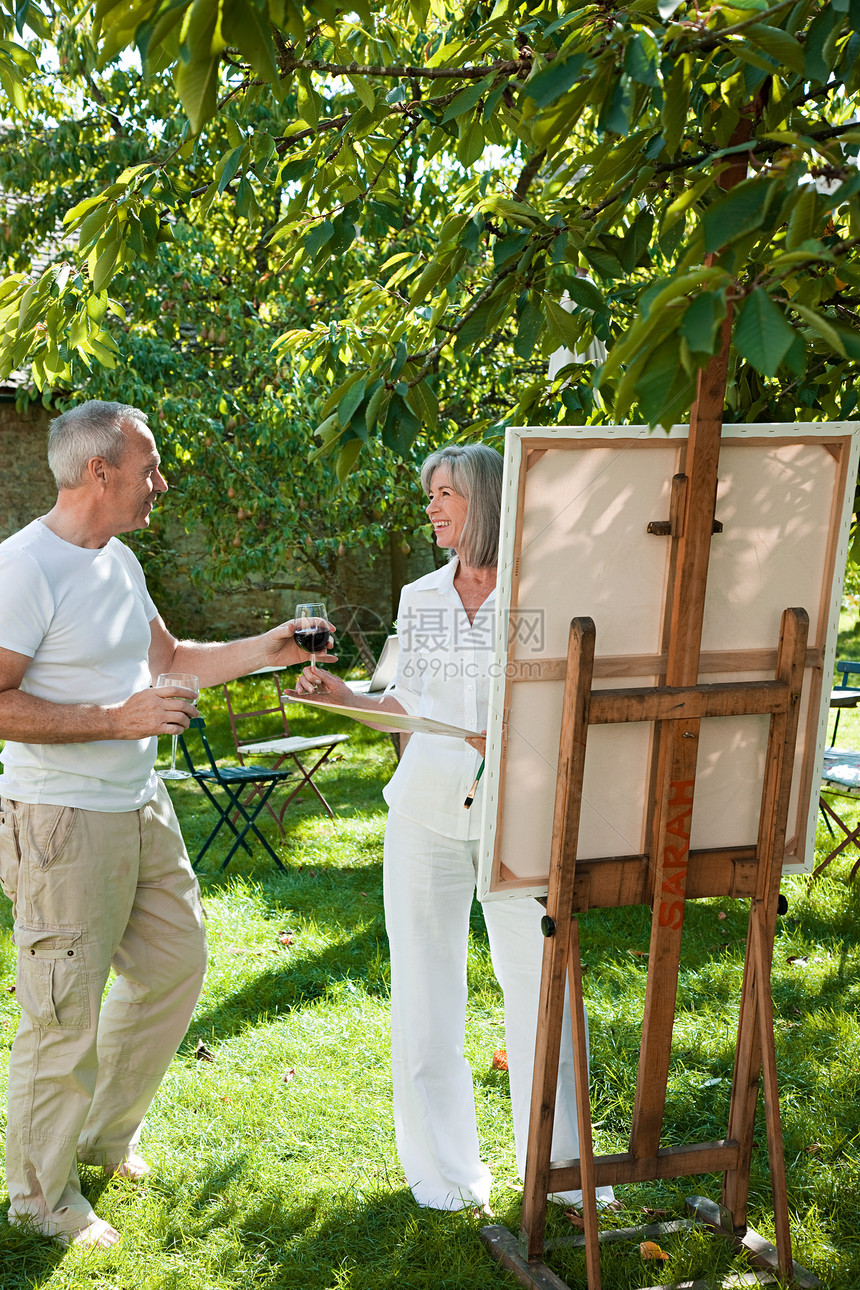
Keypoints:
pixel 445 628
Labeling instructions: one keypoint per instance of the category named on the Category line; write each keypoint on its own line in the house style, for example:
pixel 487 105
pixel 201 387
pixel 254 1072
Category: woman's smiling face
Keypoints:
pixel 446 508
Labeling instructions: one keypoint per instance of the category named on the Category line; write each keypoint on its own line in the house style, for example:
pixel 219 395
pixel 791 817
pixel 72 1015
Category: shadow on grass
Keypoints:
pixel 358 963
pixel 26 1258
pixel 352 1239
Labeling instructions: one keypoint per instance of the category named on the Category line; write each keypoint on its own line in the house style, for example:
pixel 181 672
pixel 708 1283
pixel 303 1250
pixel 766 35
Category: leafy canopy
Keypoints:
pixel 499 180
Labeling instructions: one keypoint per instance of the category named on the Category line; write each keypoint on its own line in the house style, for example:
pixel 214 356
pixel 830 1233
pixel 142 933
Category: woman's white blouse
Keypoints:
pixel 443 671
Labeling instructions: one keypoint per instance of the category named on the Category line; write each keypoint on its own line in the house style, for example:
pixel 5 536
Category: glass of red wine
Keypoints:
pixel 312 631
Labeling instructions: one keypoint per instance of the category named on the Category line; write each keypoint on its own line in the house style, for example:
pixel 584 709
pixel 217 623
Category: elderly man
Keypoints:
pixel 90 850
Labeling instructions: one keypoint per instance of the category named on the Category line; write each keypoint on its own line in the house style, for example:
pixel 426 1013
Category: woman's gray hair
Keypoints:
pixel 92 429
pixel 476 474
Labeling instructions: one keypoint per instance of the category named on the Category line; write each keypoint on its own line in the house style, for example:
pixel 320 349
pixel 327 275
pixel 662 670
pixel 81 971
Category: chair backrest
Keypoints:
pixel 845 668
pixel 235 715
pixel 386 666
pixel 198 724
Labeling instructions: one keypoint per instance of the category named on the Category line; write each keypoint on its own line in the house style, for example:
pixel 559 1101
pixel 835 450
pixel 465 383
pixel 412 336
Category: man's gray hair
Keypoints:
pixel 476 474
pixel 92 429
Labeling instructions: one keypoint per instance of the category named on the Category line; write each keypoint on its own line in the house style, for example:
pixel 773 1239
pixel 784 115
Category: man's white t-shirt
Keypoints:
pixel 83 616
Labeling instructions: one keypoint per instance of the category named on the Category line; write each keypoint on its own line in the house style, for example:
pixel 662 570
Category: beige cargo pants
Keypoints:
pixel 92 890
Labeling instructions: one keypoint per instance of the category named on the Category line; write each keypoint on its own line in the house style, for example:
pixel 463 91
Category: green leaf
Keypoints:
pixel 364 91
pixel 466 99
pixel 230 166
pixel 747 54
pixel 676 101
pixel 196 85
pixel 558 24
pixel 553 126
pixel 344 234
pixel 401 428
pixel 422 399
pixel 471 144
pixel 699 324
pixel 583 292
pixel 11 81
pixel 346 458
pixel 97 307
pixel 375 405
pixel 350 401
pixel 554 80
pixel 615 113
pixel 531 324
pixel 481 323
pixel 762 336
pixel 735 213
pixel 78 212
pixel 244 25
pixel 654 314
pixel 308 101
pixel 801 223
pixel 430 275
pixel 561 323
pixel 319 237
pixel 105 356
pixel 401 353
pixel 850 342
pixel 778 43
pixel 105 264
pixel 817 66
pixel 505 248
pixel 640 59
pixel 663 385
pixel 604 264
pixel 825 329
pixel 93 224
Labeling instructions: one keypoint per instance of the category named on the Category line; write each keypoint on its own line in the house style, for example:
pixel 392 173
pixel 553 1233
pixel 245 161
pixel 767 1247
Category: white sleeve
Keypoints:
pixel 26 604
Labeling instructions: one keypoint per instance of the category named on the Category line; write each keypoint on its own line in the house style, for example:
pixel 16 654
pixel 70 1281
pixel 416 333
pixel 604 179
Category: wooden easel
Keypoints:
pixel 676 707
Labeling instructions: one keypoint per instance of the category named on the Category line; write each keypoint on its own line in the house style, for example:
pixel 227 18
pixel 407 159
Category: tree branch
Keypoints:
pixel 528 173
pixel 393 72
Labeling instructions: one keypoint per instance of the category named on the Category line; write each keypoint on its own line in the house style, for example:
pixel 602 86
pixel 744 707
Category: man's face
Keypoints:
pixel 132 487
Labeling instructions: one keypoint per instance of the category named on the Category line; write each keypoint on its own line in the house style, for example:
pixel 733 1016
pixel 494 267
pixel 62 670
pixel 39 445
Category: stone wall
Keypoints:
pixel 28 483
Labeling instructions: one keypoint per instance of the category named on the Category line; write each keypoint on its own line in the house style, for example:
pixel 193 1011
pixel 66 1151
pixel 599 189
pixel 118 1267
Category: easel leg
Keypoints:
pixel 583 1111
pixel 762 960
pixel 756 1049
pixel 565 832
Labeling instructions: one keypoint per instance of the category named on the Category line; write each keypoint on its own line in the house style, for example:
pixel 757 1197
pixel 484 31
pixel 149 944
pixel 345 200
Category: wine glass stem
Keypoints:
pixel 173 758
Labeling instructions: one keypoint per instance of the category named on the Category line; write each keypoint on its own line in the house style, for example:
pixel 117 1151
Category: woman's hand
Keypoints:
pixel 316 685
pixel 322 687
pixel 478 742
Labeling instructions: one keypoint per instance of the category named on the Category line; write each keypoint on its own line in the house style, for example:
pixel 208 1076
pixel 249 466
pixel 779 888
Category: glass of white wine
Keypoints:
pixel 179 681
pixel 312 631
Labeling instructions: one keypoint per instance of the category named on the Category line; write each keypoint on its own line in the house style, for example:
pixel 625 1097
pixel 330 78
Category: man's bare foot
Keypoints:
pixel 95 1236
pixel 133 1168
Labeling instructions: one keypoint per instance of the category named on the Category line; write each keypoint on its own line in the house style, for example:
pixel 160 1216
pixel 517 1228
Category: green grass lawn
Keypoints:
pixel 274 1162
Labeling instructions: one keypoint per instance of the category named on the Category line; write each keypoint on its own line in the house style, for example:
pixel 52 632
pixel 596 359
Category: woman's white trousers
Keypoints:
pixel 429 882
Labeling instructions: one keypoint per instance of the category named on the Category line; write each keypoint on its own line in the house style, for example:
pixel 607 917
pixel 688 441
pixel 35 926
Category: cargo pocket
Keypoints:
pixel 52 980
pixel 46 829
pixel 10 852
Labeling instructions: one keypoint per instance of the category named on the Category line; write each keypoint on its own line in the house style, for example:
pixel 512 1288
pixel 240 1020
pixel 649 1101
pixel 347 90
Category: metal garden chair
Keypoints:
pixel 239 816
pixel 285 747
pixel 840 777
pixel 844 695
